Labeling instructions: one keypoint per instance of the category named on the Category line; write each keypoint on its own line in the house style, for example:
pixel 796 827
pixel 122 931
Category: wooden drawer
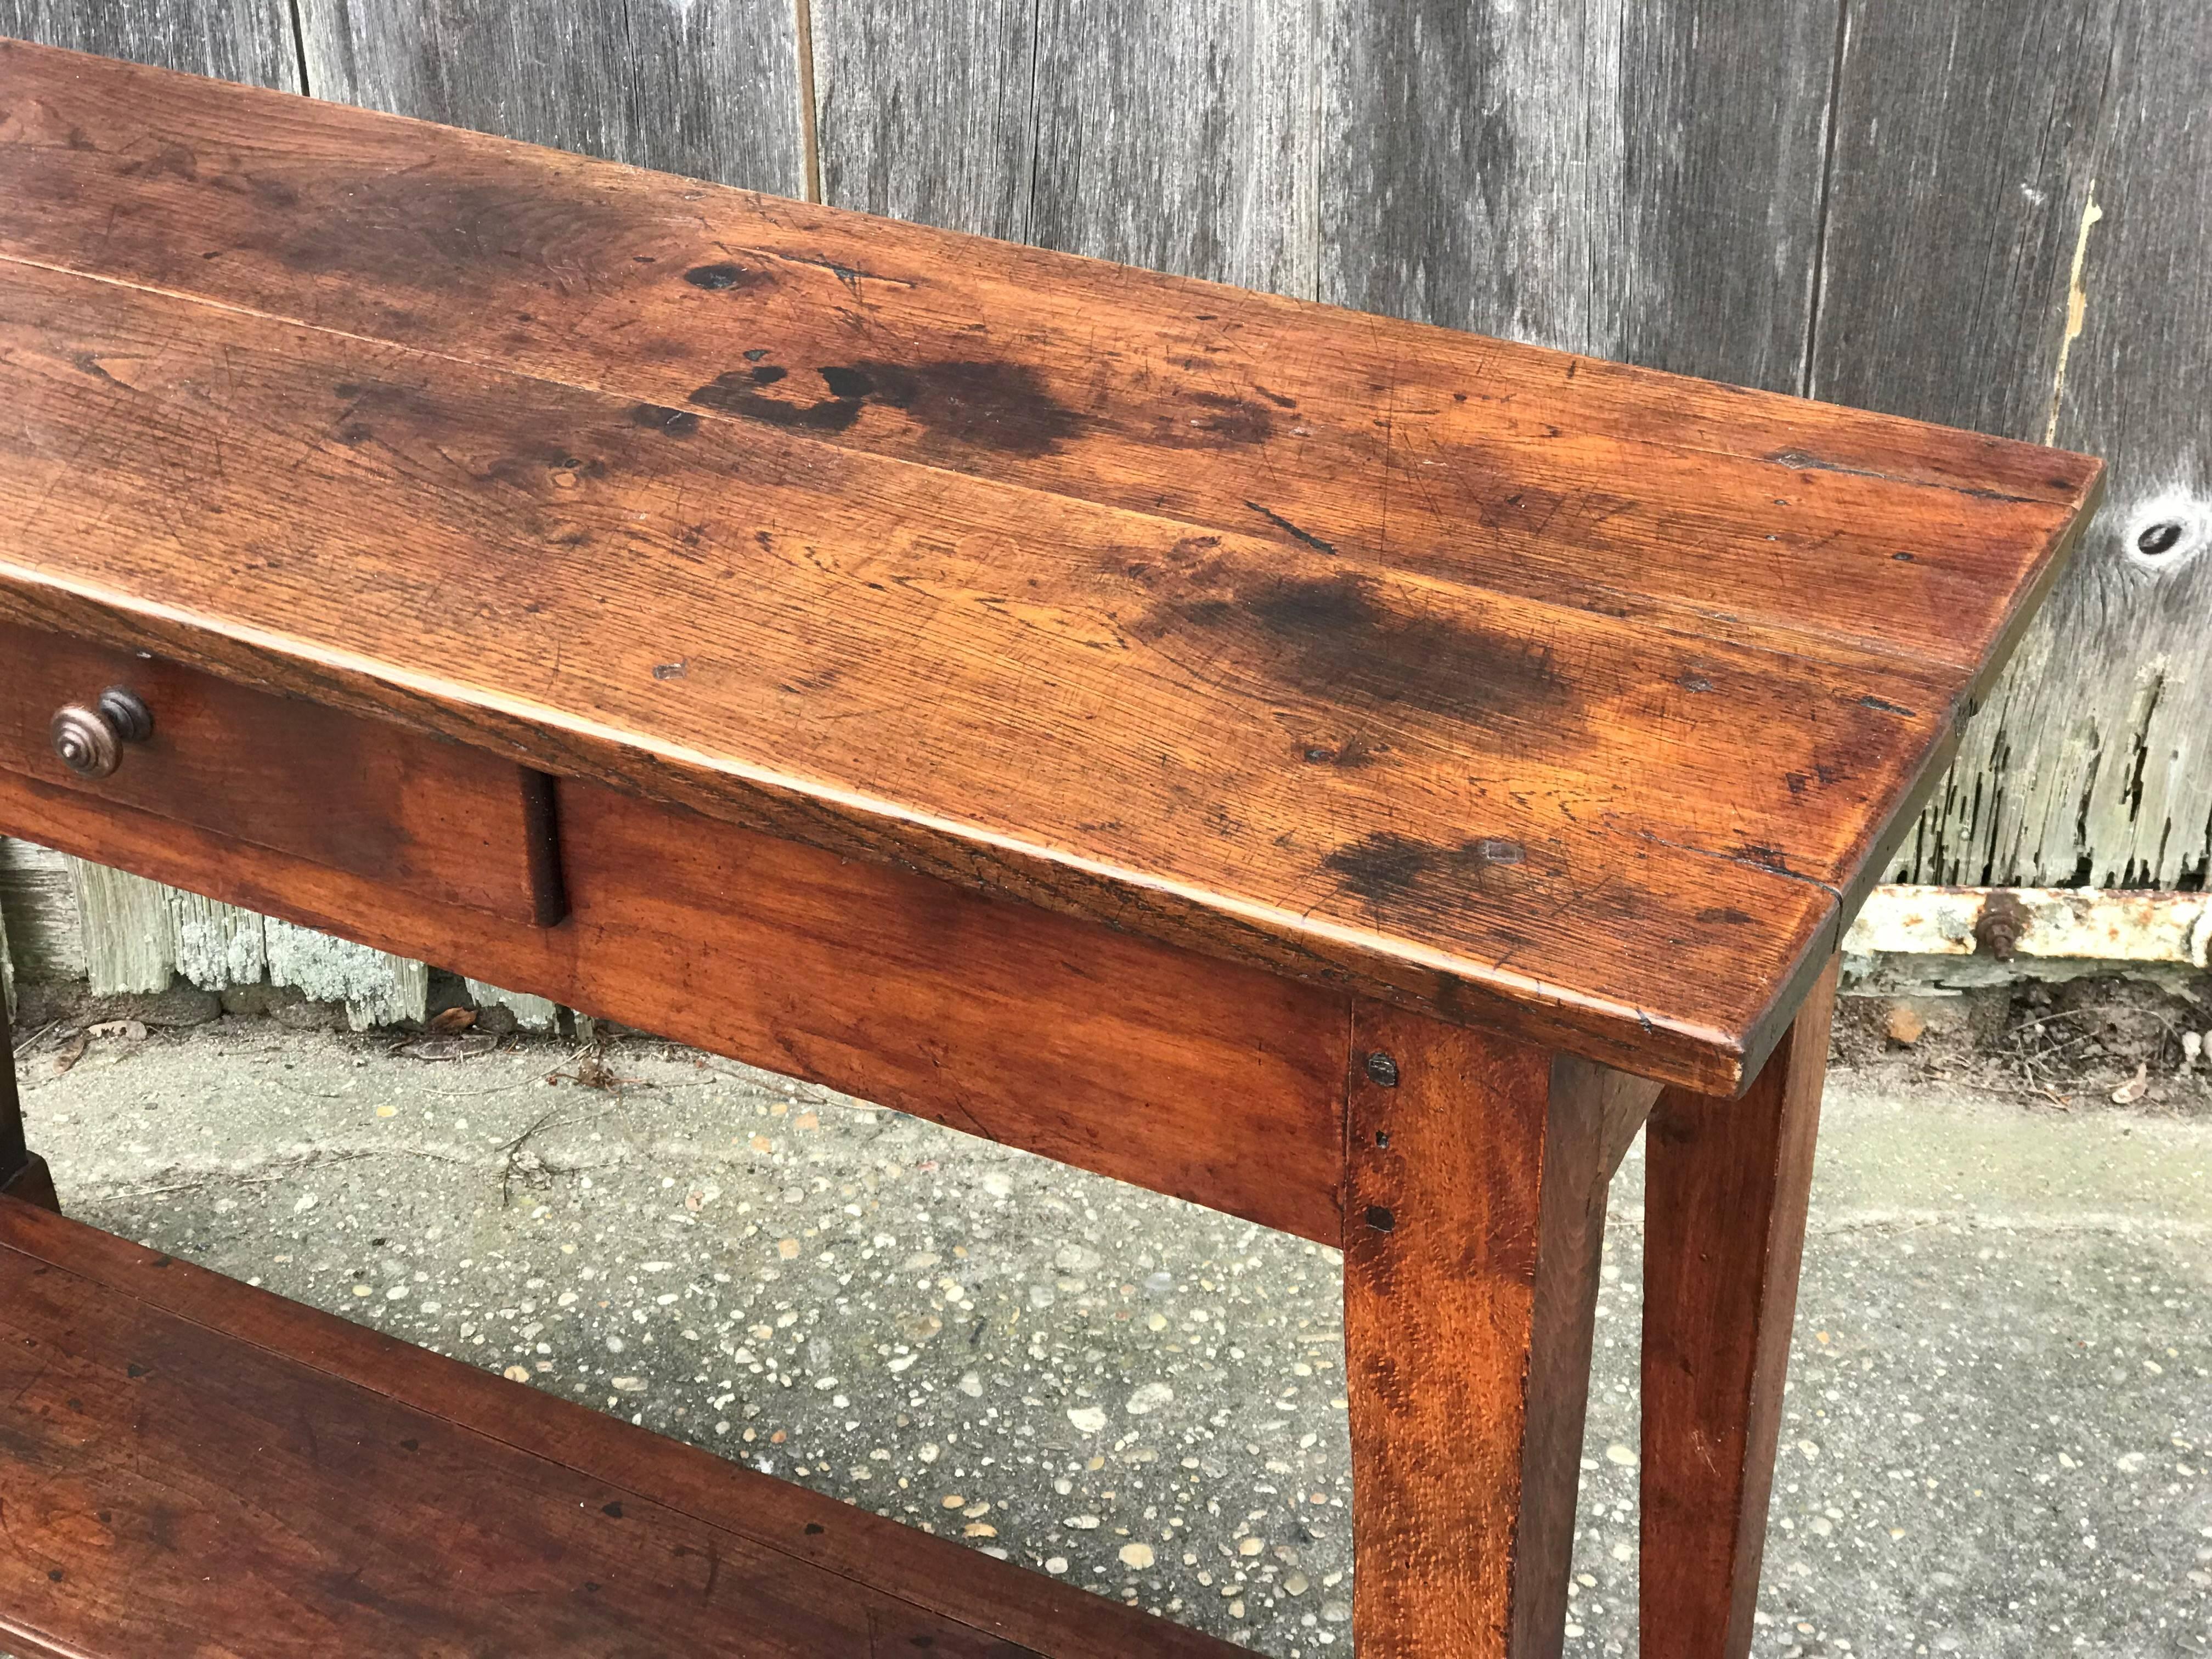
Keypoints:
pixel 447 823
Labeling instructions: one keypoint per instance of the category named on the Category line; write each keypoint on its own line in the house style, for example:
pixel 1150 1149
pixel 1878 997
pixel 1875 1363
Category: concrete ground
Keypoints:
pixel 1998 1437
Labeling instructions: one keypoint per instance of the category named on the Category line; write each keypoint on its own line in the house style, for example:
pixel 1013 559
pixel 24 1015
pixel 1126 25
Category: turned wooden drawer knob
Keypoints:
pixel 90 740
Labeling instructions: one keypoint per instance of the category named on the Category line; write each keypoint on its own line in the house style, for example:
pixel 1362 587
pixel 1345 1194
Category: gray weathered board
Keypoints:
pixel 1991 215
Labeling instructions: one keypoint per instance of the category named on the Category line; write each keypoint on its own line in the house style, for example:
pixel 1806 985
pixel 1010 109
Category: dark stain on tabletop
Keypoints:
pixel 723 275
pixel 738 391
pixel 657 417
pixel 1207 419
pixel 999 406
pixel 1337 637
pixel 1386 868
pixel 1003 406
pixel 1350 756
pixel 847 382
pixel 172 160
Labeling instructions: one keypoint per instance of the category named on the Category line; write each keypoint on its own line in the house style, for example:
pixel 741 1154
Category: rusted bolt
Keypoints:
pixel 1383 1069
pixel 2004 920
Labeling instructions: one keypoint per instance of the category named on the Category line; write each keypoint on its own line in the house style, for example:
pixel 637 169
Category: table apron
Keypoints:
pixel 1217 1083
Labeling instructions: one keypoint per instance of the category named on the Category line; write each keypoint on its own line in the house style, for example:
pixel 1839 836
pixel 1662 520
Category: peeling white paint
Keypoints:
pixel 530 1013
pixel 2079 923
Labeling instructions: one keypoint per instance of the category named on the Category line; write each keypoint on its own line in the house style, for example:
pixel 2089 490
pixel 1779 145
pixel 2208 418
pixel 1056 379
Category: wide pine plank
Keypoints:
pixel 1437 791
pixel 199 1468
pixel 1498 683
pixel 1538 472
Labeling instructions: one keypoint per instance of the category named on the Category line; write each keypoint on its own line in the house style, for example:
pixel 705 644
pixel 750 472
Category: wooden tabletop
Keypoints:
pixel 1494 681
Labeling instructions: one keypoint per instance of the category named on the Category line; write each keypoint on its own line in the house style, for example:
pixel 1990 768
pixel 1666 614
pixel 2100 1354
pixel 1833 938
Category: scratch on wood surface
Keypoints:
pixel 2077 308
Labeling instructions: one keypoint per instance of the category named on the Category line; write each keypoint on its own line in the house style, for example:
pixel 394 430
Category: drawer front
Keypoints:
pixel 448 822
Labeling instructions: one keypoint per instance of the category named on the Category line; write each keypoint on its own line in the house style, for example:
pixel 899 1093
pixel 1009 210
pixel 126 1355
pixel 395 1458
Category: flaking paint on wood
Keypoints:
pixel 530 1013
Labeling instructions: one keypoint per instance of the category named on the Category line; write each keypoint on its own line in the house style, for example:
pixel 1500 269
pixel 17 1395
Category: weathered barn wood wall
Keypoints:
pixel 2040 269
pixel 1991 215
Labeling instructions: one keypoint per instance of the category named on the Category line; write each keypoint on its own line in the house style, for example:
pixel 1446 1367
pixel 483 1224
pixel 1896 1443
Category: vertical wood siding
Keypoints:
pixel 1993 216
pixel 705 88
pixel 2023 249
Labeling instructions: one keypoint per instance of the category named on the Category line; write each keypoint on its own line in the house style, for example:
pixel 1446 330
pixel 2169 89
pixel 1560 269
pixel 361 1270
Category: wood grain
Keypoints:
pixel 457 825
pixel 1726 1182
pixel 1397 444
pixel 1219 1084
pixel 1650 182
pixel 926 111
pixel 247 41
pixel 711 91
pixel 1258 744
pixel 129 937
pixel 1508 221
pixel 195 1465
pixel 1644 180
pixel 43 933
pixel 1725 174
pixel 1360 775
pixel 1474 1221
pixel 1182 139
pixel 2060 160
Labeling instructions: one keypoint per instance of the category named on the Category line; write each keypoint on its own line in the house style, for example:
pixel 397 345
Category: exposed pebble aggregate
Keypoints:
pixel 1995 1443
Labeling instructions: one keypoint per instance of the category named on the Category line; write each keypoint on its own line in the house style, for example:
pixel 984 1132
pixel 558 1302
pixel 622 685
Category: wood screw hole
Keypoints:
pixel 1382 1070
pixel 2158 538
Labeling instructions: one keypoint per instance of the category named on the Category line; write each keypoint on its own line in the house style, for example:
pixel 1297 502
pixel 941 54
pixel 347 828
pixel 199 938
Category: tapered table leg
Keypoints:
pixel 23 1173
pixel 1474 1216
pixel 1726 1187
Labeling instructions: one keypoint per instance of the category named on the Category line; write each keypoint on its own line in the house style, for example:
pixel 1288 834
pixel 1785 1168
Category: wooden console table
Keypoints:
pixel 1344 773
